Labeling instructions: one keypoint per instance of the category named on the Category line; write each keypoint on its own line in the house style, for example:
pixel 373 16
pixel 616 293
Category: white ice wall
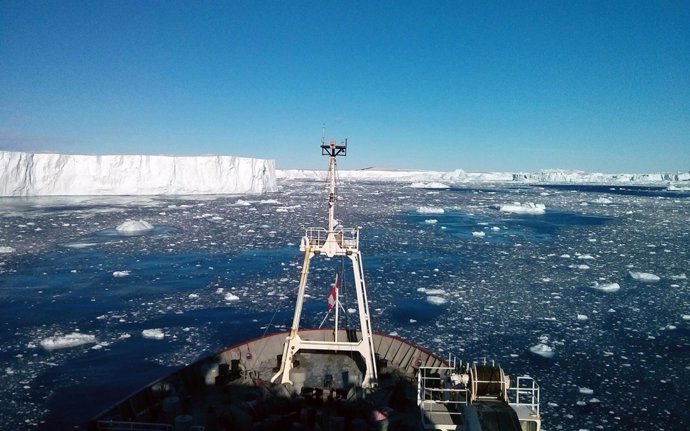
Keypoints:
pixel 548 176
pixel 37 174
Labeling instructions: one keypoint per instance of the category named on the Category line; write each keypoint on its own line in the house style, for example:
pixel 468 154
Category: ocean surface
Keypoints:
pixel 599 276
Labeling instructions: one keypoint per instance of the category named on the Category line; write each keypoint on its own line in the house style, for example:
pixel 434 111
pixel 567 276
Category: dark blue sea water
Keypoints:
pixel 446 269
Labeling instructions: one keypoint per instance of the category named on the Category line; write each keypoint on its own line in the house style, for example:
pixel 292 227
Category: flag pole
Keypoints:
pixel 337 302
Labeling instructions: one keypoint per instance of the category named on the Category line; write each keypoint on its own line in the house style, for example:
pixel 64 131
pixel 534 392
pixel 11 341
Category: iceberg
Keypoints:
pixel 421 178
pixel 430 210
pixel 37 174
pixel 431 185
pixel 606 287
pixel 154 334
pixel 542 350
pixel 644 277
pixel 70 340
pixel 131 227
pixel 527 208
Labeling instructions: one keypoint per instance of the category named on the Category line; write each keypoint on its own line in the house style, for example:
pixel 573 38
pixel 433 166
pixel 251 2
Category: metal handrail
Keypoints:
pixel 347 238
pixel 132 426
pixel 139 426
pixel 525 393
pixel 439 400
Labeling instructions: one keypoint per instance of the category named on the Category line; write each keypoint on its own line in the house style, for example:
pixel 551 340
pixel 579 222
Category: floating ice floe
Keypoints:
pixel 542 350
pixel 154 334
pixel 120 273
pixel 231 297
pixel 526 208
pixel 435 300
pixel 586 391
pixel 6 249
pixel 582 317
pixel 679 277
pixel 431 221
pixel 606 287
pixel 80 244
pixel 479 234
pixel 430 210
pixel 70 340
pixel 135 226
pixel 431 291
pixel 432 185
pixel 645 277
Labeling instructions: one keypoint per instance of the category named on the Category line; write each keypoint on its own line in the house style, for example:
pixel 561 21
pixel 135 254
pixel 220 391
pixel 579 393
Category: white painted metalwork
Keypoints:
pixel 333 241
pixel 442 391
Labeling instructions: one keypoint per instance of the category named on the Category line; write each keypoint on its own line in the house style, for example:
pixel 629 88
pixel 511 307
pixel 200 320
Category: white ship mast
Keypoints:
pixel 334 241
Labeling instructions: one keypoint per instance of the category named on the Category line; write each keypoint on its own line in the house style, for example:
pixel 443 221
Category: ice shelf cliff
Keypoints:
pixel 546 176
pixel 38 174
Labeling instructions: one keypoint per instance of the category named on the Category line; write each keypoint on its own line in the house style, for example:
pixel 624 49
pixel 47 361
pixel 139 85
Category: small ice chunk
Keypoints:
pixel 134 226
pixel 351 310
pixel 7 249
pixel 606 287
pixel 432 185
pixel 431 221
pixel 435 300
pixel 586 391
pixel 526 208
pixel 645 277
pixel 231 297
pixel 120 273
pixel 582 317
pixel 430 210
pixel 413 321
pixel 193 296
pixel 70 340
pixel 154 334
pixel 542 350
pixel 479 234
pixel 685 317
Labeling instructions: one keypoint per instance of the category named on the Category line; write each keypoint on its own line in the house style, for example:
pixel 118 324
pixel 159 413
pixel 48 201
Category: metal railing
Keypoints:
pixel 524 393
pixel 346 238
pixel 440 403
pixel 139 426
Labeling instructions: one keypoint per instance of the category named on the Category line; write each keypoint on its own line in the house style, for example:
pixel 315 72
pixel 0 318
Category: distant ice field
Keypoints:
pixel 591 297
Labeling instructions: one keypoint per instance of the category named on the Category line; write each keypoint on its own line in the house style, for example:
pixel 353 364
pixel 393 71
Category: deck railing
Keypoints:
pixel 440 404
pixel 346 238
pixel 139 426
pixel 524 393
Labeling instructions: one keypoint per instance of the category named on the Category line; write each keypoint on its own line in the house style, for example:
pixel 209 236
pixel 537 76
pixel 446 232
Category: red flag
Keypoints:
pixel 334 293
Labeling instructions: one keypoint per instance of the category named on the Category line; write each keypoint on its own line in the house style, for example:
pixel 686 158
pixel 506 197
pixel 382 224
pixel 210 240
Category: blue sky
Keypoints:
pixel 480 86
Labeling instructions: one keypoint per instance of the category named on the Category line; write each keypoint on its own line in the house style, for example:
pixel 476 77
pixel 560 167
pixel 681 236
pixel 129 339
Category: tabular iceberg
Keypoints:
pixel 36 174
pixel 680 180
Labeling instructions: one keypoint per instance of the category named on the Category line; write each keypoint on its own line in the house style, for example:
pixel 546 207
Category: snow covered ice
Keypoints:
pixel 134 227
pixel 215 269
pixel 526 208
pixel 37 174
pixel 65 341
pixel 644 277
